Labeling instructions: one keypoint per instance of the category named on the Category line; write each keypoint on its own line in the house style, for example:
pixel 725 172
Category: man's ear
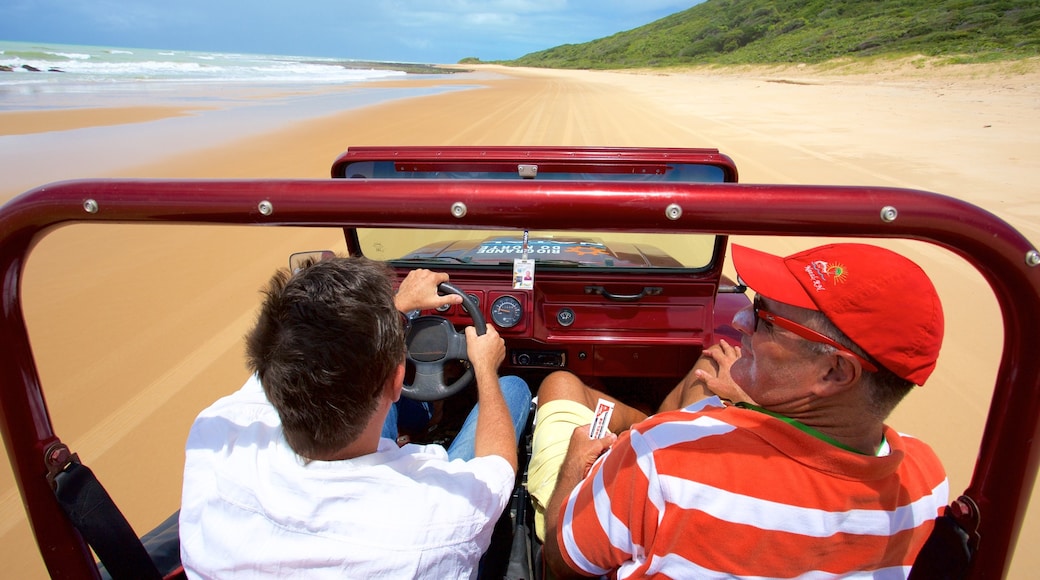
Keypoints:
pixel 844 372
pixel 395 384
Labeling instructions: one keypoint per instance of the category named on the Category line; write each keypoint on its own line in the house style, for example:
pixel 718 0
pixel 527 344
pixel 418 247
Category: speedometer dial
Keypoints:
pixel 506 311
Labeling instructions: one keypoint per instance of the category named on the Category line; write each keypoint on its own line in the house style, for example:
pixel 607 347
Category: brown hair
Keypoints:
pixel 326 341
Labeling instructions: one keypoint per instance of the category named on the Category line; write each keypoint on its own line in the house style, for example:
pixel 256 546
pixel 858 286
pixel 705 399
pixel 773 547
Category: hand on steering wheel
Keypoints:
pixel 432 342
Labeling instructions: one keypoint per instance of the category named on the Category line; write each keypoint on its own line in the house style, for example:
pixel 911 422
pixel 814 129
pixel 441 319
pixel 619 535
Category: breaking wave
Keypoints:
pixel 23 63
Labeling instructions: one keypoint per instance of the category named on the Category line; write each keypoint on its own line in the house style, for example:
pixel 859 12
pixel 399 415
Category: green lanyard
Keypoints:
pixel 802 427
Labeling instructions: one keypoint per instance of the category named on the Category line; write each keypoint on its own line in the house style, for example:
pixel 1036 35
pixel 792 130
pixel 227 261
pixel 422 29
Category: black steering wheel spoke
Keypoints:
pixel 457 348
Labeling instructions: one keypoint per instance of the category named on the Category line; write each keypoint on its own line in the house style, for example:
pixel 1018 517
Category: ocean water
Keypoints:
pixel 223 97
pixel 59 66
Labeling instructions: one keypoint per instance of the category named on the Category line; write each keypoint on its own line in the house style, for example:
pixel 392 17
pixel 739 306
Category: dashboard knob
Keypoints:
pixel 565 317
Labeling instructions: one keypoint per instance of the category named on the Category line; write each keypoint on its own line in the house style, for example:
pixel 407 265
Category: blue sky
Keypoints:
pixel 435 31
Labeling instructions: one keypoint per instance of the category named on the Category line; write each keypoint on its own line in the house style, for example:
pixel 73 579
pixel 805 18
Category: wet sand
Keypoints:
pixel 29 122
pixel 137 329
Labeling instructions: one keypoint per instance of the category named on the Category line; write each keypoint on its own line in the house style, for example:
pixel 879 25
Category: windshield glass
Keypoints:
pixel 498 249
pixel 554 249
pixel 629 171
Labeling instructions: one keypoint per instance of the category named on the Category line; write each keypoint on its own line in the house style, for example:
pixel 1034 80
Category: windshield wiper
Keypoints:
pixel 555 263
pixel 441 259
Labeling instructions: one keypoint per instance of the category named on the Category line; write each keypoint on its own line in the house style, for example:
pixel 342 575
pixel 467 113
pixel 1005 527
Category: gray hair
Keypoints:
pixel 886 389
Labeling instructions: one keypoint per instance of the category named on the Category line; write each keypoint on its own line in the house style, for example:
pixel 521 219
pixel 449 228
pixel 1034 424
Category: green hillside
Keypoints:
pixel 812 31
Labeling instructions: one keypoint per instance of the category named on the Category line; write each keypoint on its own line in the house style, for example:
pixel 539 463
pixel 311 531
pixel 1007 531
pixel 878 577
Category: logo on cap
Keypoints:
pixel 820 271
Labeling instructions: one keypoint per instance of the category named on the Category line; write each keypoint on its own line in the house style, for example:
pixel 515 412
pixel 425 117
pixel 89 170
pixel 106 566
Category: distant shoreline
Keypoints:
pixel 409 68
pixel 405 67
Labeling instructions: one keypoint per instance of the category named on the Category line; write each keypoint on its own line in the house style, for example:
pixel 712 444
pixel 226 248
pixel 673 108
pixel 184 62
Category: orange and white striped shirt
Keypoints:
pixel 721 492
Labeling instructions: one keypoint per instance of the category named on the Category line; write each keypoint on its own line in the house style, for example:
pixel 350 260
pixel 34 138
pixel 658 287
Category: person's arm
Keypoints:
pixel 418 291
pixel 709 377
pixel 494 433
pixel 720 382
pixel 692 387
pixel 581 454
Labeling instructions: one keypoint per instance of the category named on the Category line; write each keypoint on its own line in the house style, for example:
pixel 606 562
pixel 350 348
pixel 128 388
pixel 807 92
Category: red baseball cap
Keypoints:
pixel 882 301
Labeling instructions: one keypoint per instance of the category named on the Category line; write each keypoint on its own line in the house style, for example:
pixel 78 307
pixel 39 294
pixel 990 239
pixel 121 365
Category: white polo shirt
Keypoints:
pixel 252 507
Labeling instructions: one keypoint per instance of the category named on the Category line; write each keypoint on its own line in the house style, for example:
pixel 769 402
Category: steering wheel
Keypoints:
pixel 432 342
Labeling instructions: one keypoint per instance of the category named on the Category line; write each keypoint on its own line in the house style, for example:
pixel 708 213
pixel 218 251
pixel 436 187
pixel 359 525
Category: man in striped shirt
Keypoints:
pixel 790 471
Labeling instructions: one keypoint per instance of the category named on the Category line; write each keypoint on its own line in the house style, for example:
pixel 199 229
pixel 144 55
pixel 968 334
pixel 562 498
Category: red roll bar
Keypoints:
pixel 1007 462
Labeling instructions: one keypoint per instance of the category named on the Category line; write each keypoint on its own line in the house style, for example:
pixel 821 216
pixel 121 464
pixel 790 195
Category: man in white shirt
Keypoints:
pixel 289 474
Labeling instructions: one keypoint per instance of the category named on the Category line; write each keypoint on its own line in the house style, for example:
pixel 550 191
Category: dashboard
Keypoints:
pixel 633 326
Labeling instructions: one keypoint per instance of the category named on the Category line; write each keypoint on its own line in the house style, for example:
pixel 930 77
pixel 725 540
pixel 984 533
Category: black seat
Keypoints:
pixel 947 554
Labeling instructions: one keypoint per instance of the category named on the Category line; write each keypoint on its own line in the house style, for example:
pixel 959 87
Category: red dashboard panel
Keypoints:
pixel 652 328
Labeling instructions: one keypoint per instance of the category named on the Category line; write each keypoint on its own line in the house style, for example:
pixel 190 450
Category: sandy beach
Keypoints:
pixel 137 329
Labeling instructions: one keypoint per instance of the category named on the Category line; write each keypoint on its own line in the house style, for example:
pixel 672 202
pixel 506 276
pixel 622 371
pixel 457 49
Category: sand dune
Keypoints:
pixel 136 329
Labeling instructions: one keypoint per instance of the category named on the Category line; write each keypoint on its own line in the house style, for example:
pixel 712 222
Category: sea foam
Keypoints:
pixel 88 64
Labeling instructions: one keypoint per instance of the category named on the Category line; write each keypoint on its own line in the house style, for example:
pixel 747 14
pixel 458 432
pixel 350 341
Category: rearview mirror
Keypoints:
pixel 301 260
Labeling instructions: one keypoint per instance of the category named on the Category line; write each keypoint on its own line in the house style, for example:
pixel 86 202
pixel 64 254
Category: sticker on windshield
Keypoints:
pixel 516 247
pixel 542 249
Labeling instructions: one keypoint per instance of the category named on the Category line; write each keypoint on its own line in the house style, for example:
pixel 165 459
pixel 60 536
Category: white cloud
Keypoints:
pixel 492 19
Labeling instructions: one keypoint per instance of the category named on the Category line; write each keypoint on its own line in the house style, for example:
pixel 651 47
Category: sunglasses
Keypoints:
pixel 406 322
pixel 760 313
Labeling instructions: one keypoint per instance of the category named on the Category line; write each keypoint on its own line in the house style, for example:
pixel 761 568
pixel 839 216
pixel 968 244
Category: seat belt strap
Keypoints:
pixel 96 517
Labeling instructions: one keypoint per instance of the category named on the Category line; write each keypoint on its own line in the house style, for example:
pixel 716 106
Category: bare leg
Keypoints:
pixel 564 385
pixel 692 388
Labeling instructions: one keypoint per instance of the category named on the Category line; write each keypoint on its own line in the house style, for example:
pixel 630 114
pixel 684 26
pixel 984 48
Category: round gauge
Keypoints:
pixel 506 311
pixel 565 317
pixel 475 298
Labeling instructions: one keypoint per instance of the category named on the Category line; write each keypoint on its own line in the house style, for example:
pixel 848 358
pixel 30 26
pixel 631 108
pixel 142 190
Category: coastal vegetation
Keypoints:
pixel 811 31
